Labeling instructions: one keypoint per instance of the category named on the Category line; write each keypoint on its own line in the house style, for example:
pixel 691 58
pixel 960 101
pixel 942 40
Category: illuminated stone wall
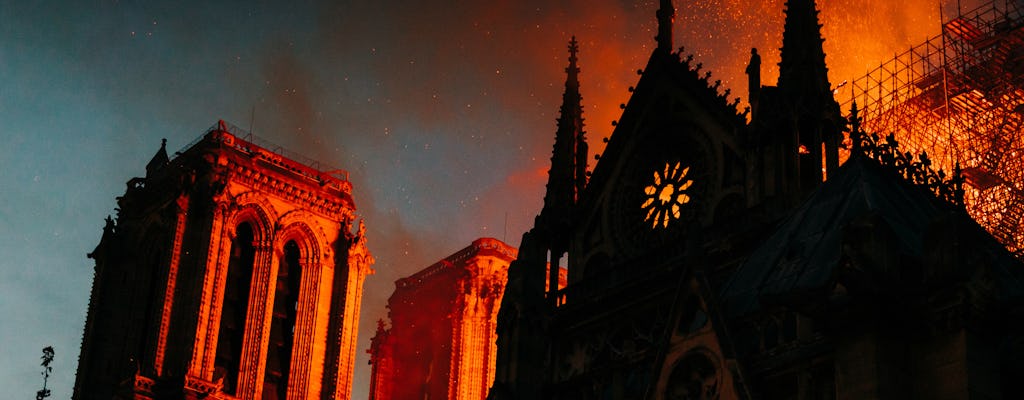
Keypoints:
pixel 230 272
pixel 441 340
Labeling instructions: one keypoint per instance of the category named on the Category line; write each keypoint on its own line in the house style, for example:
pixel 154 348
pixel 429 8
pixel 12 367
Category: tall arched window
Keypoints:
pixel 282 327
pixel 236 300
pixel 149 278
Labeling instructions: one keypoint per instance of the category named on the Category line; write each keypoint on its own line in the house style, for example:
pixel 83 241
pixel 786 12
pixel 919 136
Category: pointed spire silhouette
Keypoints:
pixel 802 68
pixel 572 107
pixel 803 84
pixel 567 175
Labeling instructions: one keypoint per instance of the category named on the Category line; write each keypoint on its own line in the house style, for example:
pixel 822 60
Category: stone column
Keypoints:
pixel 359 262
pixel 181 216
pixel 213 272
pixel 258 317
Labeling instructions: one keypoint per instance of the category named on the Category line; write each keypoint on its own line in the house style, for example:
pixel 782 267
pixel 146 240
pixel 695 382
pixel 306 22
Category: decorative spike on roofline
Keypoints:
pixel 713 88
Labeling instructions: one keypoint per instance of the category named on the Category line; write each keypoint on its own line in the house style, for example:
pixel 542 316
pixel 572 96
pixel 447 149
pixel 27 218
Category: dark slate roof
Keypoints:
pixel 804 251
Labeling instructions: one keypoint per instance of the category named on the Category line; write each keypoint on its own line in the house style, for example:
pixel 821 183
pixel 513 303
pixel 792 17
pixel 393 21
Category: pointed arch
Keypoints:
pixel 300 245
pixel 253 207
pixel 303 227
pixel 243 265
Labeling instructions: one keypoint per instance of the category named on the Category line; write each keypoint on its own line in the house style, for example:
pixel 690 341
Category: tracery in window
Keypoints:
pixel 666 195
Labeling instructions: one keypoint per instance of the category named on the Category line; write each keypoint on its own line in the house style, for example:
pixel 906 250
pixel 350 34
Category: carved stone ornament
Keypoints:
pixel 918 172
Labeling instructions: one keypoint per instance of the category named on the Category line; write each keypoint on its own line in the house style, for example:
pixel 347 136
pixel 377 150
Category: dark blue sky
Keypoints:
pixel 442 111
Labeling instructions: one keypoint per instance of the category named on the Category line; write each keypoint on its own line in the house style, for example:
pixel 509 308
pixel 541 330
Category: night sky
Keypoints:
pixel 443 112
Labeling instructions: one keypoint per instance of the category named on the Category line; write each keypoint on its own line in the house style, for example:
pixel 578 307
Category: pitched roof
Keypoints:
pixel 803 253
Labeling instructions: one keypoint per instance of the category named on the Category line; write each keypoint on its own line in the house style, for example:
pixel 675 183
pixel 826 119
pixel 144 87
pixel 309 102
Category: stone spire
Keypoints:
pixel 567 175
pixel 803 84
pixel 802 70
pixel 531 293
pixel 572 118
pixel 666 15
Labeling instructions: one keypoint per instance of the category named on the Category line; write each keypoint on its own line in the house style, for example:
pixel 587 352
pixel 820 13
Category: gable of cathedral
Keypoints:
pixel 672 165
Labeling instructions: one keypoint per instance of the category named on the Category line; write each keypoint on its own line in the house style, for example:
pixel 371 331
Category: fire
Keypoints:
pixel 720 33
pixel 950 113
pixel 957 97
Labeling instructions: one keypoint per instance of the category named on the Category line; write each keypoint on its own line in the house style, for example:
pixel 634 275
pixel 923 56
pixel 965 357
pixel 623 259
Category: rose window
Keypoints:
pixel 667 195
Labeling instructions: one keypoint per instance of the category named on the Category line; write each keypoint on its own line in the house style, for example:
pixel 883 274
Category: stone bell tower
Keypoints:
pixel 230 272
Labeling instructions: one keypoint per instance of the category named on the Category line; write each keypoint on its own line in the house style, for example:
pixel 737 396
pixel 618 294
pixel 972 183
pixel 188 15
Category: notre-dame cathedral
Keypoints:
pixel 710 258
pixel 230 272
pixel 776 253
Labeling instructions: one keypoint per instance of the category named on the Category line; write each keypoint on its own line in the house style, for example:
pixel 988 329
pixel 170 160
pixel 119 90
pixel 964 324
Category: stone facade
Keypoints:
pixel 709 258
pixel 441 342
pixel 230 272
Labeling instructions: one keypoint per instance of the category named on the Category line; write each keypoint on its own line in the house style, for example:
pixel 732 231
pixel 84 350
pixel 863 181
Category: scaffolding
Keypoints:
pixel 959 97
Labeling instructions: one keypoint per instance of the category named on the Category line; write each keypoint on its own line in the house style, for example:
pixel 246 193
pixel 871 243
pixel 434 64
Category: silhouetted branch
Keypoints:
pixel 47 369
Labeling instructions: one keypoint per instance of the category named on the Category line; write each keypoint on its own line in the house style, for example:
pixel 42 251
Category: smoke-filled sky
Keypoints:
pixel 442 111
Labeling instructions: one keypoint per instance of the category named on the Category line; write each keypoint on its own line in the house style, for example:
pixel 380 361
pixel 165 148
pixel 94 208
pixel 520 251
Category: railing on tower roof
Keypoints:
pixel 246 142
pixel 479 245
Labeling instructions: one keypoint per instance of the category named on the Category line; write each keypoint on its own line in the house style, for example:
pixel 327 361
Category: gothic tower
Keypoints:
pixel 534 277
pixel 452 358
pixel 567 176
pixel 803 80
pixel 796 124
pixel 230 272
